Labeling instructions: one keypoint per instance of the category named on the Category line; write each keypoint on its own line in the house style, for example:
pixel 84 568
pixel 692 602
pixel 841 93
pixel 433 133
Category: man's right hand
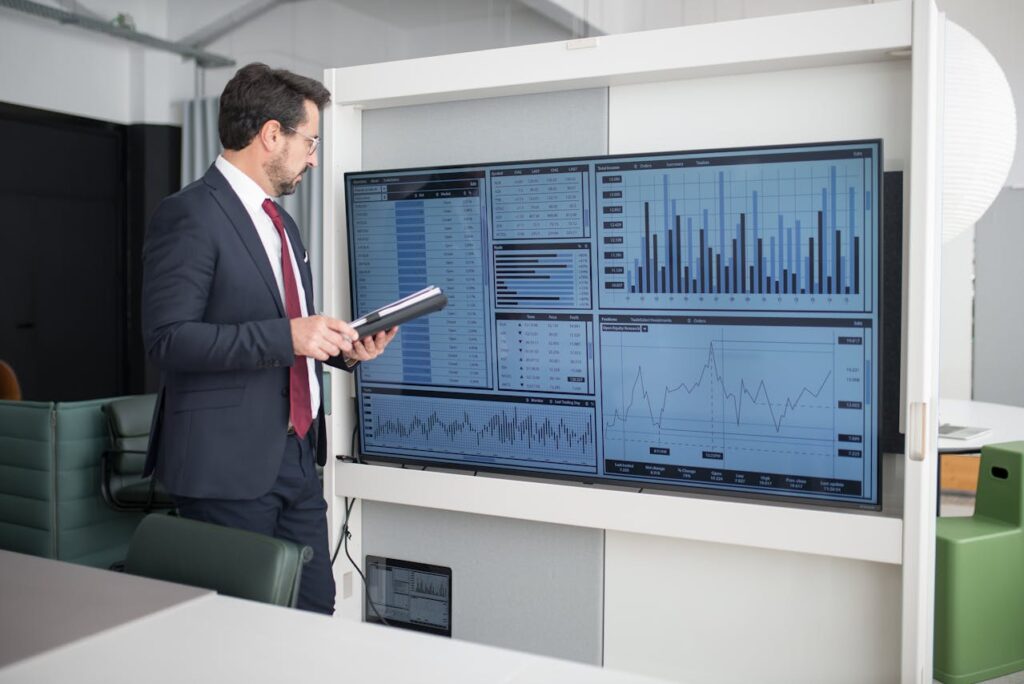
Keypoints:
pixel 321 337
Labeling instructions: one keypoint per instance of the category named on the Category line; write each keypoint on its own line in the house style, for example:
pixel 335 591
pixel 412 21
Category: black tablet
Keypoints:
pixel 409 595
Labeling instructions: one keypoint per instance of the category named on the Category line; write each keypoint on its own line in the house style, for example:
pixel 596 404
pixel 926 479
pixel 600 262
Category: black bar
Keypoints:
pixel 640 277
pixel 828 287
pixel 751 278
pixel 839 267
pixel 793 276
pixel 821 254
pixel 718 269
pixel 654 250
pixel 856 265
pixel 647 244
pixel 727 281
pixel 663 279
pixel 743 252
pixel 785 281
pixel 776 287
pixel 810 264
pixel 686 278
pixel 702 281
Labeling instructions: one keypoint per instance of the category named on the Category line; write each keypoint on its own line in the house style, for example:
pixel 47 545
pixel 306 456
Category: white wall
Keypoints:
pixel 66 69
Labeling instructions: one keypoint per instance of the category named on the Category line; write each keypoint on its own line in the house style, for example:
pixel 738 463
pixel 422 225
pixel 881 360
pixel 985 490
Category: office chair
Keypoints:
pixel 121 481
pixel 229 561
pixel 9 387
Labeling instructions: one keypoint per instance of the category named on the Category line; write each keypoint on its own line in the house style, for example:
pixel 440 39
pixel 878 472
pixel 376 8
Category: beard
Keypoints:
pixel 283 180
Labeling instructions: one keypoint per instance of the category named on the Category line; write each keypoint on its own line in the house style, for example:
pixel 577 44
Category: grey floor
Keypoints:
pixel 955 504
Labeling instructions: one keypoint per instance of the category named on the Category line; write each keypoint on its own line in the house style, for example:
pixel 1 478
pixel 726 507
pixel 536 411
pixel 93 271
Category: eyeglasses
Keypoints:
pixel 314 141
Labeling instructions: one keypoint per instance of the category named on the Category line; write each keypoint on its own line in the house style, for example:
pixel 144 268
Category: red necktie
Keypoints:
pixel 300 413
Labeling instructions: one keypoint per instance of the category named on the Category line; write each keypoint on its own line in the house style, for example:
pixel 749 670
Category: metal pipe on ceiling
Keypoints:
pixel 202 57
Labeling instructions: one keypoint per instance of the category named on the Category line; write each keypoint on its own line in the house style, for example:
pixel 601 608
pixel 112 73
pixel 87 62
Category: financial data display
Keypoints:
pixel 690 319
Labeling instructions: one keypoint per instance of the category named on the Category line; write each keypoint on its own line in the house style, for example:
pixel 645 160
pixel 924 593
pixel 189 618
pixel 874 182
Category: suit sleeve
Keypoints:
pixel 179 263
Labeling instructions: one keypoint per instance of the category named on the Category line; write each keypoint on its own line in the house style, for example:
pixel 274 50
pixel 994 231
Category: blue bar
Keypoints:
pixel 689 241
pixel 721 214
pixel 825 272
pixel 832 209
pixel 756 224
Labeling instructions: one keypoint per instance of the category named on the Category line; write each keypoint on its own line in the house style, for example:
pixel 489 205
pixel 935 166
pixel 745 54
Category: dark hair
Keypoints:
pixel 257 94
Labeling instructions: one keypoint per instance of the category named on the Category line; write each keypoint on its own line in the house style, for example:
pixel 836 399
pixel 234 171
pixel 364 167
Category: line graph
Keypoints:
pixel 710 372
pixel 546 433
pixel 720 399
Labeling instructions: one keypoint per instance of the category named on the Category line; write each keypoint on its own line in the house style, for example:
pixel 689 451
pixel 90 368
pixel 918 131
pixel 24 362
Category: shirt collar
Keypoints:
pixel 248 190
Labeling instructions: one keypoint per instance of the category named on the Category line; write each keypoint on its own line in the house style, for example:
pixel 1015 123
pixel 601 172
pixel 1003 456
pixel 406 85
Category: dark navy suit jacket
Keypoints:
pixel 214 323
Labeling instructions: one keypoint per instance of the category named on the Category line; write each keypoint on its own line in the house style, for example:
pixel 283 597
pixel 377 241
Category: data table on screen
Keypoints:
pixel 541 202
pixel 546 352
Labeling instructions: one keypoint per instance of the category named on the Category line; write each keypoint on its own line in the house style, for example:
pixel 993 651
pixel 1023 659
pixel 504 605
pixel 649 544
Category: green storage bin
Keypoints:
pixel 979 576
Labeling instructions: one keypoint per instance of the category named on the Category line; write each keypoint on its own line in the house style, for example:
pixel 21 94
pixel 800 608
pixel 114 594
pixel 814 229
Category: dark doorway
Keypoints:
pixel 62 228
pixel 75 195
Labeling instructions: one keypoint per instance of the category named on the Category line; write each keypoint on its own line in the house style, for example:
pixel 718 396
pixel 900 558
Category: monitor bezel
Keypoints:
pixel 884 302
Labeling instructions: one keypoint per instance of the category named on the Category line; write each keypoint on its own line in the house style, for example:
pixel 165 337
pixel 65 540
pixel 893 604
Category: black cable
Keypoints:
pixel 346 533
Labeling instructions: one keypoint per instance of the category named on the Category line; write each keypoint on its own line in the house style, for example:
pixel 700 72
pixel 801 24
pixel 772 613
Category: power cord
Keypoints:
pixel 346 533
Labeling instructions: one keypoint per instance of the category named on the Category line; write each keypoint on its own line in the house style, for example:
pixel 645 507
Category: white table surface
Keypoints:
pixel 1006 422
pixel 46 603
pixel 212 638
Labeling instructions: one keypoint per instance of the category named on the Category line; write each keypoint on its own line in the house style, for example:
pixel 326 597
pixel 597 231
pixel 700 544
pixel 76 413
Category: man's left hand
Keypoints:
pixel 369 348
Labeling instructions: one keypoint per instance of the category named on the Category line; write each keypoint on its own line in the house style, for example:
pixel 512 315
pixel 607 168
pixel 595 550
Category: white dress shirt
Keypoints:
pixel 252 197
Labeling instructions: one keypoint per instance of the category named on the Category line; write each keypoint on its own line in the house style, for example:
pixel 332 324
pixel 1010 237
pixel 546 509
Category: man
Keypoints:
pixel 227 309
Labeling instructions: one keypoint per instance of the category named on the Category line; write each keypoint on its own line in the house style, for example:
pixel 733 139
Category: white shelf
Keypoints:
pixel 791 41
pixel 858 536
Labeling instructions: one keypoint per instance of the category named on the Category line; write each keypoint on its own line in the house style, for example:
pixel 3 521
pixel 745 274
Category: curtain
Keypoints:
pixel 200 145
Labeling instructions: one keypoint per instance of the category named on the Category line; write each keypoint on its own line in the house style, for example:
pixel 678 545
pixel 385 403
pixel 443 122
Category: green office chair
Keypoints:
pixel 121 481
pixel 231 562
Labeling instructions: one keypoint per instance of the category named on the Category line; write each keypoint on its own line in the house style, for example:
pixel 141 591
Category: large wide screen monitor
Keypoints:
pixel 705 319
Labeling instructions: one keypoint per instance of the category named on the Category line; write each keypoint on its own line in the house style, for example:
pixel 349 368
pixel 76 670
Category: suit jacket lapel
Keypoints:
pixel 232 206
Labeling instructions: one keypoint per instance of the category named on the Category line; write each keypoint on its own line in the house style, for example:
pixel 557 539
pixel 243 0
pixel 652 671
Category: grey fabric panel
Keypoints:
pixel 546 125
pixel 530 586
pixel 998 282
pixel 27 522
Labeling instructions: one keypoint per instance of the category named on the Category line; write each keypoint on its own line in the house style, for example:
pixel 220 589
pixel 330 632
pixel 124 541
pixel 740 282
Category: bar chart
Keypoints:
pixel 739 233
pixel 542 276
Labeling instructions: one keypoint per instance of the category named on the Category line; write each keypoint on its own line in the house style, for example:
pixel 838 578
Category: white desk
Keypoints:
pixel 1007 423
pixel 45 604
pixel 208 637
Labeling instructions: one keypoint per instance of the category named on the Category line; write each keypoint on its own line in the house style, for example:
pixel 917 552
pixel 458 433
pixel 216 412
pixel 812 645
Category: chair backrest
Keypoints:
pixel 9 388
pixel 122 484
pixel 129 419
pixel 229 561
